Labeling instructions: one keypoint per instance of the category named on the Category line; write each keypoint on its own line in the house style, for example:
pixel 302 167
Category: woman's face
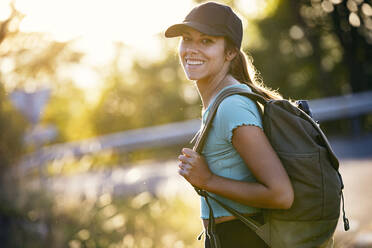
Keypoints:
pixel 202 56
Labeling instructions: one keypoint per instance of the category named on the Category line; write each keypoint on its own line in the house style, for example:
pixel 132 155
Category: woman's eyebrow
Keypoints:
pixel 206 36
pixel 201 35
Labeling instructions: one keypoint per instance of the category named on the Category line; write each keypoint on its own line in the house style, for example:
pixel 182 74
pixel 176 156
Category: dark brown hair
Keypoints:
pixel 242 69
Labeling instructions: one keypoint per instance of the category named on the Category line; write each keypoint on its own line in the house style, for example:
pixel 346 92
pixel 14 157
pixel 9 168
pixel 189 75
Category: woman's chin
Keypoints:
pixel 193 77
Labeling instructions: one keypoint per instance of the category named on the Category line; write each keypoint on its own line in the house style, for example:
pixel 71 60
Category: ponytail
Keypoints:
pixel 242 69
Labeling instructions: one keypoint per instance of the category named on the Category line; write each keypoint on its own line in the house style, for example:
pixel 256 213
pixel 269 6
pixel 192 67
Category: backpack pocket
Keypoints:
pixel 299 234
pixel 332 187
pixel 306 175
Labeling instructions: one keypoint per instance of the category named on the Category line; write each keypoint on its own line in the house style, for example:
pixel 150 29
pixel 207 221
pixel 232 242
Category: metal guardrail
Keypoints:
pixel 340 107
pixel 181 132
pixel 156 136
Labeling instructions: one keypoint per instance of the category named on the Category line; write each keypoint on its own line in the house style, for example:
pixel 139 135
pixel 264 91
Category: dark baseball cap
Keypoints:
pixel 211 19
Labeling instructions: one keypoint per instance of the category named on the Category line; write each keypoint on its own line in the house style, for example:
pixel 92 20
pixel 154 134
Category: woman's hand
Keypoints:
pixel 194 168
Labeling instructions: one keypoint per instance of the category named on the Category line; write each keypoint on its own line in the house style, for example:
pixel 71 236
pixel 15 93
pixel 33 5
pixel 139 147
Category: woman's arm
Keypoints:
pixel 273 189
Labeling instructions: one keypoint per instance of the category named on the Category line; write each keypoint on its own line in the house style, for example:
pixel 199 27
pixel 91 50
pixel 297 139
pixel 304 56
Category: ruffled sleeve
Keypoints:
pixel 235 111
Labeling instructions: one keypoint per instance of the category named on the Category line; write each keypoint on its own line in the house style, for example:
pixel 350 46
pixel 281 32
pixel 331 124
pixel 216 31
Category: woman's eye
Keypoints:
pixel 206 41
pixel 184 38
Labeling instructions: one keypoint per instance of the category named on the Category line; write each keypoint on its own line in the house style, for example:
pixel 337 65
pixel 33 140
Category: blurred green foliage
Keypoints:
pixel 139 221
pixel 69 112
pixel 310 49
pixel 12 128
pixel 150 95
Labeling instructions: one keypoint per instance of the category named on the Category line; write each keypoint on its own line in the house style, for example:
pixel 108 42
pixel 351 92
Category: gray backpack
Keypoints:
pixel 311 166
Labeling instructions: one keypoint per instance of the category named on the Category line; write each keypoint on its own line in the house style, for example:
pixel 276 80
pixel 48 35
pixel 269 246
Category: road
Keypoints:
pixel 161 178
pixel 357 176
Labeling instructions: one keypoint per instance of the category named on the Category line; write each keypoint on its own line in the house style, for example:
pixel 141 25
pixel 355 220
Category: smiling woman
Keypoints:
pixel 237 165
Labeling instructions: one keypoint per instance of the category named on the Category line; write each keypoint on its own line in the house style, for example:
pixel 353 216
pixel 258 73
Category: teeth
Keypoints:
pixel 194 62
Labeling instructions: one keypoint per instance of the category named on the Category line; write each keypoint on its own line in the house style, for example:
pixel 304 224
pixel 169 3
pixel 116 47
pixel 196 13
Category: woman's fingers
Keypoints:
pixel 190 152
pixel 192 167
pixel 181 165
pixel 186 159
pixel 183 158
pixel 183 172
pixel 184 169
pixel 184 166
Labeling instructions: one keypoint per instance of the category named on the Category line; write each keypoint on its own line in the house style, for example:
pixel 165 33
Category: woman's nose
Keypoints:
pixel 191 46
pixel 192 49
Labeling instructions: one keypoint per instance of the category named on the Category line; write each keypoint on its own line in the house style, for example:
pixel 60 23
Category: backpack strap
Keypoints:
pixel 254 225
pixel 198 147
pixel 199 144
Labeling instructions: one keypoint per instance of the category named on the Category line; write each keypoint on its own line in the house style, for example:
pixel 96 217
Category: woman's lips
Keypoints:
pixel 194 62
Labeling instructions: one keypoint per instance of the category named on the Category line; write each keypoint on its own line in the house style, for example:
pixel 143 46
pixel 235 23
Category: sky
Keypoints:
pixel 95 25
pixel 97 22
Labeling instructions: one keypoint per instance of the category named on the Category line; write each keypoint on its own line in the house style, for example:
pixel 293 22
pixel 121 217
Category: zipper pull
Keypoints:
pixel 201 235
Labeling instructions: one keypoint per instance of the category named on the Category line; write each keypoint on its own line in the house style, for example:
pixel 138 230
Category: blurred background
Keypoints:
pixel 95 107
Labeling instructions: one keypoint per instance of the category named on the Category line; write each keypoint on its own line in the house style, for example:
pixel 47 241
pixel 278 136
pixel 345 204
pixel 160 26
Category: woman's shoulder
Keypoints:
pixel 238 108
pixel 234 111
pixel 236 101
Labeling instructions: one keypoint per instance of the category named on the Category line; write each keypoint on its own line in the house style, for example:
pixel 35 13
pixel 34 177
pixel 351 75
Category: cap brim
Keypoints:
pixel 178 29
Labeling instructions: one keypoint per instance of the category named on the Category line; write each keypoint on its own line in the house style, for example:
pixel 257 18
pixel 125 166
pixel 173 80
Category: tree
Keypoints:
pixel 12 125
pixel 151 94
pixel 316 49
pixel 352 24
pixel 27 60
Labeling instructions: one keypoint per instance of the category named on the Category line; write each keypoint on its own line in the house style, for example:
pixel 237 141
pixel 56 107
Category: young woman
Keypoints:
pixel 238 165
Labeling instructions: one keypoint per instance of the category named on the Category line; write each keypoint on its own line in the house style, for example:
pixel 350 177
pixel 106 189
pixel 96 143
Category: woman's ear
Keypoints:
pixel 230 54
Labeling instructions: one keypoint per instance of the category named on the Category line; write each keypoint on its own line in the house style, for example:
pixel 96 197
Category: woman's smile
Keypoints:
pixel 194 62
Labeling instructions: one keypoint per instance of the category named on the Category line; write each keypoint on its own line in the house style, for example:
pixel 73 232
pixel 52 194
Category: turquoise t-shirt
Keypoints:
pixel 220 154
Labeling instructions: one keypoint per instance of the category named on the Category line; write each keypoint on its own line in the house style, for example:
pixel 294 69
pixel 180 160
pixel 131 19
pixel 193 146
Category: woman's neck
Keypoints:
pixel 209 88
